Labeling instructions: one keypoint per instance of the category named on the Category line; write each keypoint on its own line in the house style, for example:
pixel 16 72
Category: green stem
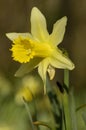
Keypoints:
pixel 66 78
pixel 65 101
pixel 66 111
pixel 73 110
pixel 29 114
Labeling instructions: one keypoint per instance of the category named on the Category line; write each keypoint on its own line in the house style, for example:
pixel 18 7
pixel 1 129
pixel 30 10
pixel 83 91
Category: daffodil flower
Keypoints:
pixel 39 48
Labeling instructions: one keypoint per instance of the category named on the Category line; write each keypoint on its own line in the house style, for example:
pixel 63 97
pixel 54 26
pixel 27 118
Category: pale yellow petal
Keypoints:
pixel 38 25
pixel 12 36
pixel 59 60
pixel 57 34
pixel 27 67
pixel 42 69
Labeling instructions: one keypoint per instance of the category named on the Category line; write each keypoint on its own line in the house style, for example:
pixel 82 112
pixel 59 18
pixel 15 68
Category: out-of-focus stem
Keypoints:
pixel 29 114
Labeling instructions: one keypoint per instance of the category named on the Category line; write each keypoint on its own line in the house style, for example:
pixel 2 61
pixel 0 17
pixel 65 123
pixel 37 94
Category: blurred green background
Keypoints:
pixel 15 17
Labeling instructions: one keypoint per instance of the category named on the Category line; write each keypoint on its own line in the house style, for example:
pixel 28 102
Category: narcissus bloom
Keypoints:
pixel 39 48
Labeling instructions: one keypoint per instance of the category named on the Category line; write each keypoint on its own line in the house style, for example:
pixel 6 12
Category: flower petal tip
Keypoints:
pixel 35 9
pixel 65 17
pixel 11 36
pixel 64 20
pixel 17 74
pixel 72 66
pixel 7 35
